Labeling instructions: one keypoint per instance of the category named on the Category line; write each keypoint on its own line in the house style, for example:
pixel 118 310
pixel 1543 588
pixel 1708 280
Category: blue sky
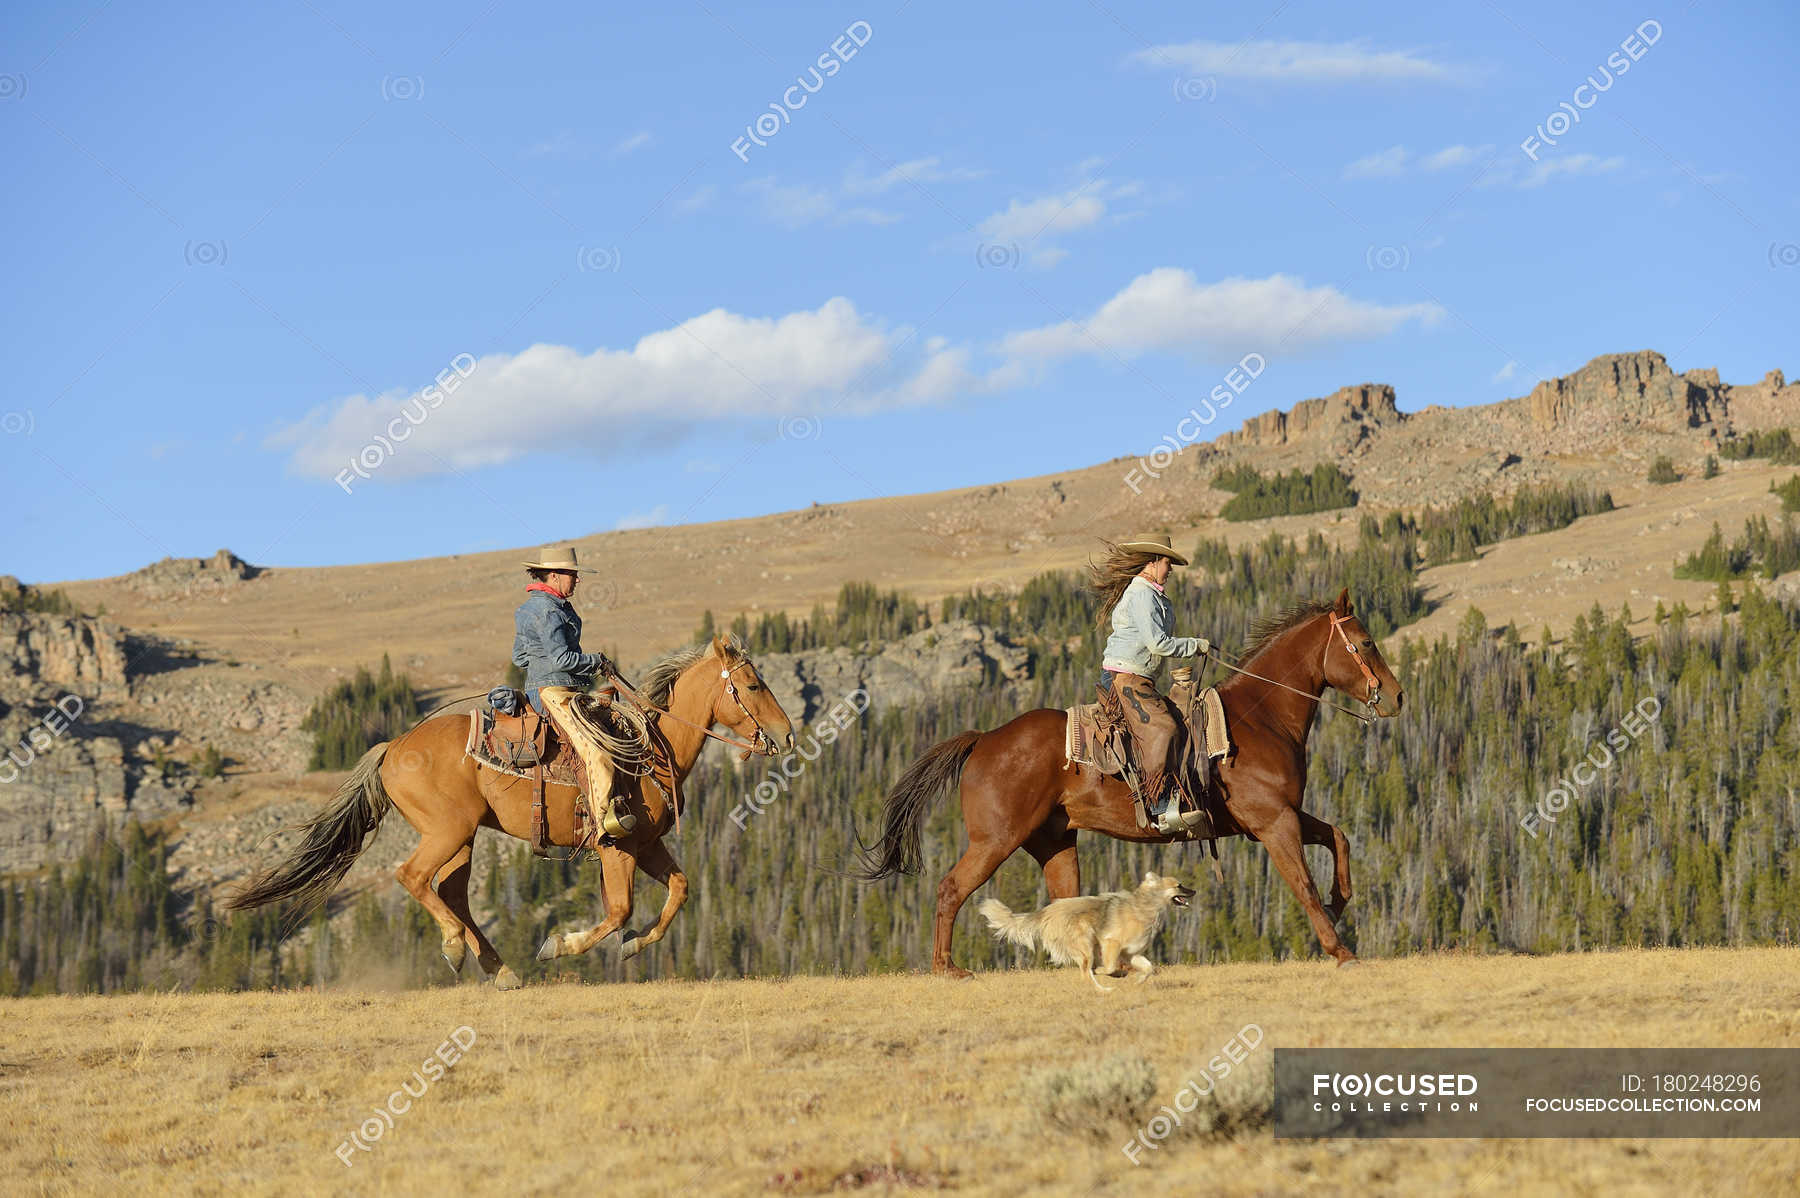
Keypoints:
pixel 981 242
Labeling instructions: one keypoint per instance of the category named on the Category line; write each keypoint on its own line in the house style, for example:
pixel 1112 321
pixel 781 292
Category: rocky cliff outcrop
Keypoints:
pixel 77 652
pixel 1772 403
pixel 1633 389
pixel 957 655
pixel 182 577
pixel 1334 425
pixel 59 768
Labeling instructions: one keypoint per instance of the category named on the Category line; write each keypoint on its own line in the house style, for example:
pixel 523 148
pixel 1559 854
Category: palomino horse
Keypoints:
pixel 1016 792
pixel 446 796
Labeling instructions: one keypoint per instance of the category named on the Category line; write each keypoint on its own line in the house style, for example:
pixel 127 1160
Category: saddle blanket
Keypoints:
pixel 1083 745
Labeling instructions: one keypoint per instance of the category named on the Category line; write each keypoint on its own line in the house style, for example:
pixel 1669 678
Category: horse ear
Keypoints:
pixel 1342 606
pixel 718 647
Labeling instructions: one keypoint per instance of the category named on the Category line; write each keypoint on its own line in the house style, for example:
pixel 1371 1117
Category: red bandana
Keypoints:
pixel 544 587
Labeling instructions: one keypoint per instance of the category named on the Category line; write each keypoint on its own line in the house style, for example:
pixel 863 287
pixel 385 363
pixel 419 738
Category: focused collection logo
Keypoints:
pixel 1389 1093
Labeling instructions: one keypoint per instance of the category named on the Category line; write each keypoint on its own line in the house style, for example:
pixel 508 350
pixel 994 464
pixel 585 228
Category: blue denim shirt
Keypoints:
pixel 1143 631
pixel 547 643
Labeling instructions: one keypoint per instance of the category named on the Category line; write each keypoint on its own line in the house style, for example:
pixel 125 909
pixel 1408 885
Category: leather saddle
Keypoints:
pixel 528 745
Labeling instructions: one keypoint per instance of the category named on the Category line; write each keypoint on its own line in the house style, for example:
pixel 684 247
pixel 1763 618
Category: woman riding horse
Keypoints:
pixel 1132 603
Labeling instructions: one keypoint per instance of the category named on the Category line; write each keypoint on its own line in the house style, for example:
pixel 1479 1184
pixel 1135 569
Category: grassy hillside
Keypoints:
pixel 808 1085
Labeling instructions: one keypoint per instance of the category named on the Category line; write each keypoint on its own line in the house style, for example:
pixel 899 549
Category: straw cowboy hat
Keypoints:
pixel 558 557
pixel 1157 543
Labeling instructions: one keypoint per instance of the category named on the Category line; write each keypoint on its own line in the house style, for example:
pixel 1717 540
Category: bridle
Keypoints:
pixel 1373 699
pixel 1371 702
pixel 762 744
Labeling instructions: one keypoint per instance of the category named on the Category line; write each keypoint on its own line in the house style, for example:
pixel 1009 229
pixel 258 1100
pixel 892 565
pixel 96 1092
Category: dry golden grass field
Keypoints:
pixel 808 1085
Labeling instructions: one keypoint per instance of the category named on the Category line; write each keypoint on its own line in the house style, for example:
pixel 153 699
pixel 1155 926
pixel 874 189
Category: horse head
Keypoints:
pixel 1353 664
pixel 742 701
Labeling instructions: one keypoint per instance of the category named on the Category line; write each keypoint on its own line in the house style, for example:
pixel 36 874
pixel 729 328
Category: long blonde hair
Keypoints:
pixel 1108 578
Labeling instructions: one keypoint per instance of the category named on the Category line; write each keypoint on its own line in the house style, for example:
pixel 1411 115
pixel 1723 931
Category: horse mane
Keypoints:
pixel 659 680
pixel 1264 632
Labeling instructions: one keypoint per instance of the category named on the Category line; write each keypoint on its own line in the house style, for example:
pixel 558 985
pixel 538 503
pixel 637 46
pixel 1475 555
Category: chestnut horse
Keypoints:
pixel 1017 793
pixel 447 797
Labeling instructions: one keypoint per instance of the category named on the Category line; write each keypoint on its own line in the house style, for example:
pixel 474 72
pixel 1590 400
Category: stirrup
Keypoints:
pixel 614 822
pixel 1171 820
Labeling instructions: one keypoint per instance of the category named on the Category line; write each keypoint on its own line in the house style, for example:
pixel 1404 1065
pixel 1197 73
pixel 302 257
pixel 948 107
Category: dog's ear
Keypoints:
pixel 1149 877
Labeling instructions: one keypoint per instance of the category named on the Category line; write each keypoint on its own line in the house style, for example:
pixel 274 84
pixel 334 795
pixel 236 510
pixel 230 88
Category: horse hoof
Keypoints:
pixel 1347 962
pixel 453 956
pixel 506 979
pixel 630 945
pixel 547 950
pixel 955 973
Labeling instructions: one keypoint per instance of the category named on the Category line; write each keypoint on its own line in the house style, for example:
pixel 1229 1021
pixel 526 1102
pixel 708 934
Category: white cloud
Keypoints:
pixel 918 170
pixel 701 197
pixel 1395 161
pixel 636 141
pixel 714 367
pixel 794 206
pixel 1301 62
pixel 654 518
pixel 1030 225
pixel 1505 372
pixel 1046 216
pixel 1168 309
pixel 1383 164
pixel 1449 156
pixel 1573 165
pixel 1514 172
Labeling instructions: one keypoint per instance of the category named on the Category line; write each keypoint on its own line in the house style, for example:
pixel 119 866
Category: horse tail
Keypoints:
pixel 903 812
pixel 331 842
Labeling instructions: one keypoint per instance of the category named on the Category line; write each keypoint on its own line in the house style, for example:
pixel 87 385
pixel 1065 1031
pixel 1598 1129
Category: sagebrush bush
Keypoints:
pixel 1095 1098
pixel 1242 1102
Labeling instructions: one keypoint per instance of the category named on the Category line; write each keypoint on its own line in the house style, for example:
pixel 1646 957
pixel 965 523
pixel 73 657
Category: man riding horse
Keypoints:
pixel 1129 584
pixel 547 644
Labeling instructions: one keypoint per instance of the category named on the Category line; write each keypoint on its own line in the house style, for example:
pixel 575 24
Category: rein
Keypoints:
pixel 763 745
pixel 1337 624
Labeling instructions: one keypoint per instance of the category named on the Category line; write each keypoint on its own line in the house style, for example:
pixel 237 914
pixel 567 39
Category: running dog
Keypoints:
pixel 1095 931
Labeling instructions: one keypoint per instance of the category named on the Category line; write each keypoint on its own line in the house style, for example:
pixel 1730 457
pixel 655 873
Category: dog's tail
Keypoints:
pixel 1023 930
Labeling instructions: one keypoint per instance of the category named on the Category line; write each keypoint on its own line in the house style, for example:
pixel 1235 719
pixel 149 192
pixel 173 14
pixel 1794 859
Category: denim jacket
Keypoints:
pixel 547 643
pixel 1142 632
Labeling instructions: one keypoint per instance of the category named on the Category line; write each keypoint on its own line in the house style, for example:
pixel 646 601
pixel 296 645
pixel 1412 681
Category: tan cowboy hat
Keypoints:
pixel 558 557
pixel 1157 543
